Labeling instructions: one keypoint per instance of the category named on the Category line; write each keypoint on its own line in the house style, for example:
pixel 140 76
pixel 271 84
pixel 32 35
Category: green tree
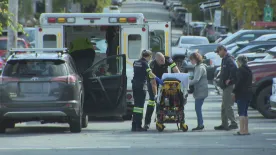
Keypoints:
pixel 247 10
pixel 6 18
pixel 193 7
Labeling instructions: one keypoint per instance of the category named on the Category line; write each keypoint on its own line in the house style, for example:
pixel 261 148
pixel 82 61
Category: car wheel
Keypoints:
pixel 127 117
pixel 263 104
pixel 3 127
pixel 10 124
pixel 84 121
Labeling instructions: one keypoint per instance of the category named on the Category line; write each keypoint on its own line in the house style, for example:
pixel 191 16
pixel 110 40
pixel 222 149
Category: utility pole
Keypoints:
pixel 48 6
pixel 12 35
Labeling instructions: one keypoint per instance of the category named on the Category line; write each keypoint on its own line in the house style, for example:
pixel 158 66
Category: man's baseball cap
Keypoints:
pixel 219 48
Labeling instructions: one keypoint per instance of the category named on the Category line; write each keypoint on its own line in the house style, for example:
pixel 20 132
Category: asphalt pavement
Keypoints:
pixel 114 137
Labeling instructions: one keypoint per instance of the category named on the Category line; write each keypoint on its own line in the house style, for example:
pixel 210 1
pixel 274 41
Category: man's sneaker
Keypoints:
pixel 221 127
pixel 233 126
pixel 146 126
pixel 198 128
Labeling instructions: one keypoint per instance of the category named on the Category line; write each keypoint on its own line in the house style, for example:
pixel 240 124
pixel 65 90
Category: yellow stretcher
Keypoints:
pixel 170 104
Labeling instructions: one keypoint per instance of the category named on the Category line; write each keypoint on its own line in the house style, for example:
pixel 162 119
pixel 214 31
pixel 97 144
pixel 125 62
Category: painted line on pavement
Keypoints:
pixel 66 148
pixel 269 133
pixel 266 128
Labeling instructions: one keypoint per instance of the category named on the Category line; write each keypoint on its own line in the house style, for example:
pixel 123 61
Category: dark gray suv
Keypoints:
pixel 41 87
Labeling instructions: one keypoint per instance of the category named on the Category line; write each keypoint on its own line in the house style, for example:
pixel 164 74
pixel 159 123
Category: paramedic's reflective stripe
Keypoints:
pixel 148 70
pixel 151 103
pixel 173 65
pixel 138 110
pixel 150 76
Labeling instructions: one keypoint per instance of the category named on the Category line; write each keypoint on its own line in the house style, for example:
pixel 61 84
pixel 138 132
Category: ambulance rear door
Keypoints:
pixel 50 37
pixel 160 37
pixel 134 39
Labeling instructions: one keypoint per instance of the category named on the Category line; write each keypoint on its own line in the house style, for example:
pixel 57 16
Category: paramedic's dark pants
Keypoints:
pixel 151 103
pixel 139 95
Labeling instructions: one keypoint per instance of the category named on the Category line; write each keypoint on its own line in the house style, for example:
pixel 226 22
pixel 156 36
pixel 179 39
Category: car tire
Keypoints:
pixel 85 121
pixel 10 124
pixel 76 122
pixel 3 127
pixel 263 103
pixel 127 117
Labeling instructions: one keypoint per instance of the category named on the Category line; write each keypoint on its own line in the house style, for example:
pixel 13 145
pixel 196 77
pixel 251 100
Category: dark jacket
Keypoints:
pixel 243 86
pixel 228 71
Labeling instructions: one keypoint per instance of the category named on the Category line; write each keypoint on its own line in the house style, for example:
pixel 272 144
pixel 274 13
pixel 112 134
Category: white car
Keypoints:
pixel 273 96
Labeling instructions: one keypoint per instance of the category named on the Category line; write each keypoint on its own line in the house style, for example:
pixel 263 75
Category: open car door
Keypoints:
pixel 105 87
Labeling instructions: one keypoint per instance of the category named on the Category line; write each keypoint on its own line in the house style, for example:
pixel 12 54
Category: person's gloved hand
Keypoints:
pixel 159 81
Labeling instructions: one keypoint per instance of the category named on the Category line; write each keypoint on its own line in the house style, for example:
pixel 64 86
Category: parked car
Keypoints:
pixel 273 96
pixel 267 37
pixel 59 80
pixel 21 43
pixel 194 28
pixel 174 4
pixel 168 3
pixel 176 11
pixel 1 64
pixel 179 21
pixel 117 2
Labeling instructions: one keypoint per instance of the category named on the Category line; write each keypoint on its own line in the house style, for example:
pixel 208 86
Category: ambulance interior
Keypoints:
pixel 104 41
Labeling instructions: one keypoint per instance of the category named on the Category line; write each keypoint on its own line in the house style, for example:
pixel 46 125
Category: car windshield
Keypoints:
pixel 271 55
pixel 3 44
pixel 31 35
pixel 100 44
pixel 40 68
pixel 195 41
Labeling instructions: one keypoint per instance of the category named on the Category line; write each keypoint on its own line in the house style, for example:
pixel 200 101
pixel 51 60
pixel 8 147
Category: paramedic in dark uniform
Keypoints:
pixel 141 72
pixel 159 66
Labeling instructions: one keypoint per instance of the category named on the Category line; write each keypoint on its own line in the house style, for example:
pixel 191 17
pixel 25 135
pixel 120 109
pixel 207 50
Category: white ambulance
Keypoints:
pixel 134 33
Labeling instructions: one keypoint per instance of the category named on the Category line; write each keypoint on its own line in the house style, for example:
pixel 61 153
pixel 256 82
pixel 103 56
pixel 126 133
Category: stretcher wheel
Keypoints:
pixel 160 127
pixel 184 127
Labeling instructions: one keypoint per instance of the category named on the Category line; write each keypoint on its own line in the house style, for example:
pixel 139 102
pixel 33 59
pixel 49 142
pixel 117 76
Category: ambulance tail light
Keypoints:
pixel 61 20
pixel 131 20
pixel 52 20
pixel 113 20
pixel 122 20
pixel 71 20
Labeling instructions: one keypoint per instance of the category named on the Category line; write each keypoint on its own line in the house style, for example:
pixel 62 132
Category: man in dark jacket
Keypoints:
pixel 227 81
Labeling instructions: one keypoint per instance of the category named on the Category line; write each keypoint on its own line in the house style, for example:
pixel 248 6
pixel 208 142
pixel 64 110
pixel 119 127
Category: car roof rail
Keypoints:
pixel 59 51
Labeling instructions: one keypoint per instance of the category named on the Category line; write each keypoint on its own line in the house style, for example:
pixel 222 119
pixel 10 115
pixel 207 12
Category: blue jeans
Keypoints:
pixel 243 106
pixel 198 109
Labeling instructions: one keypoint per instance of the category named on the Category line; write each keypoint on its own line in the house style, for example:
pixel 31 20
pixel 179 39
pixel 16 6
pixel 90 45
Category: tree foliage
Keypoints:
pixel 88 6
pixel 193 7
pixel 6 18
pixel 247 10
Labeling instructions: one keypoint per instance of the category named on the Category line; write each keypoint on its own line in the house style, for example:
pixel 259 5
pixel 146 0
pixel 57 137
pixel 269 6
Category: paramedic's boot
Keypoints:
pixel 149 112
pixel 139 127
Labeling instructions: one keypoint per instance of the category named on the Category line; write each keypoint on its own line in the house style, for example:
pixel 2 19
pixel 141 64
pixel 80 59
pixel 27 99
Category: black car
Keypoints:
pixel 49 87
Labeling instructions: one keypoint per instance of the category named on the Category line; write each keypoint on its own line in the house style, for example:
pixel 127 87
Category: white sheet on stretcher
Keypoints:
pixel 183 77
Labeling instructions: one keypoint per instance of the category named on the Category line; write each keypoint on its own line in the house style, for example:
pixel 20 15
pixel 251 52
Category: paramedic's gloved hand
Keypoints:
pixel 159 81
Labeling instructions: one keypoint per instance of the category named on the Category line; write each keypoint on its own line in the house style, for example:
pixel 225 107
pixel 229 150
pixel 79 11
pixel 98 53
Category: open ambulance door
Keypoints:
pixel 160 37
pixel 134 39
pixel 50 37
pixel 105 87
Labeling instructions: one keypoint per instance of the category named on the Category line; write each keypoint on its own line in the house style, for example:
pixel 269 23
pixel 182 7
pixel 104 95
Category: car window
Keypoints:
pixel 30 68
pixel 110 66
pixel 3 44
pixel 157 41
pixel 195 41
pixel 272 39
pixel 246 37
pixel 134 46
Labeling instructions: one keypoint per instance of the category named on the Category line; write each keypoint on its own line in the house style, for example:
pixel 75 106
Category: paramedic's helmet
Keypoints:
pixel 146 53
